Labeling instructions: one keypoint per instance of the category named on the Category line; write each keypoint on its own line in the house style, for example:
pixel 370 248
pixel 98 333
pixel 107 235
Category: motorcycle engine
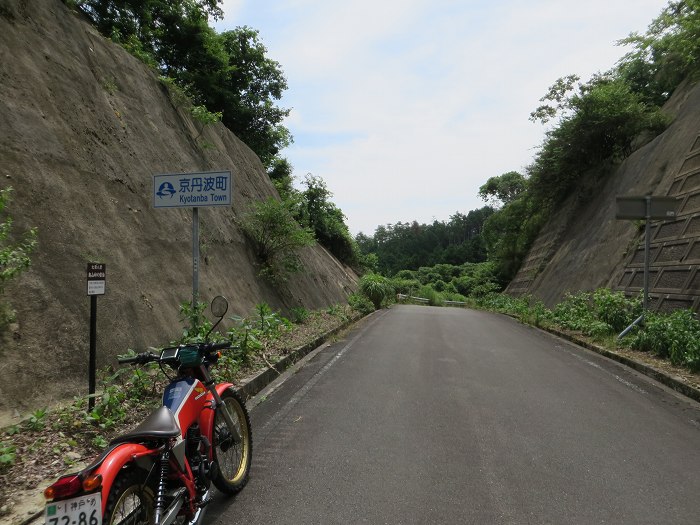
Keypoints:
pixel 197 450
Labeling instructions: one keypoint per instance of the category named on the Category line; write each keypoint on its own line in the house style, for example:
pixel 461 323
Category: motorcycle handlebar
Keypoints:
pixel 218 346
pixel 142 358
pixel 148 357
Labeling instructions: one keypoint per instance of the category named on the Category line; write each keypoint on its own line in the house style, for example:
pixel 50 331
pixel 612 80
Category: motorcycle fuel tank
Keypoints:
pixel 186 398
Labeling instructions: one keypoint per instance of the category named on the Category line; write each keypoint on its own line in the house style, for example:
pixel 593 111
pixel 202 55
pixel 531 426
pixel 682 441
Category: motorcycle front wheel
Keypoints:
pixel 233 449
pixel 129 501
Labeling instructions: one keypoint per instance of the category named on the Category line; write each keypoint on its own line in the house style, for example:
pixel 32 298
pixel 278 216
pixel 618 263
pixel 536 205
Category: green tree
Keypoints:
pixel 316 210
pixel 666 54
pixel 276 236
pixel 503 189
pixel 280 172
pixel 409 246
pixel 247 93
pixel 146 21
pixel 229 73
pixel 597 123
pixel 476 280
pixel 556 99
pixel 509 232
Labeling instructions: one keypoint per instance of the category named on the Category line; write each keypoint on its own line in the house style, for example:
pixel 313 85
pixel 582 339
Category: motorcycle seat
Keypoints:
pixel 160 424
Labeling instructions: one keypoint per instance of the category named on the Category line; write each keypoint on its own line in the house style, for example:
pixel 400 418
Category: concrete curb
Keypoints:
pixel 662 377
pixel 264 378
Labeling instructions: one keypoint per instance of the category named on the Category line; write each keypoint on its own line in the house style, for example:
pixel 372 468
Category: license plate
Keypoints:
pixel 83 510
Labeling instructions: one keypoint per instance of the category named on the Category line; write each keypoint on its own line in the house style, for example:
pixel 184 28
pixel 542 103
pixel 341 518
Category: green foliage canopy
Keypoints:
pixel 229 73
pixel 247 93
pixel 277 237
pixel 316 211
pixel 666 54
pixel 409 246
pixel 503 189
pixel 598 122
pixel 448 282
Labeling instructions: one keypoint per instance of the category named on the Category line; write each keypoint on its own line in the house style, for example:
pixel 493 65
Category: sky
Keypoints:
pixel 406 107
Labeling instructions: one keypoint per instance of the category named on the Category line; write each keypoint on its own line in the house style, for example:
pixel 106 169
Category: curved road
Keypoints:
pixel 438 415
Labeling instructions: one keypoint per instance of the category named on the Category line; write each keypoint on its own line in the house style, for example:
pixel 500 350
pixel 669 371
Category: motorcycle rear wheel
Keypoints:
pixel 233 458
pixel 130 501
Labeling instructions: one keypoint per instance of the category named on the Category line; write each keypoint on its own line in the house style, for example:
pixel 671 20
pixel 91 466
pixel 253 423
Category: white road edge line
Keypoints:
pixel 596 365
pixel 282 412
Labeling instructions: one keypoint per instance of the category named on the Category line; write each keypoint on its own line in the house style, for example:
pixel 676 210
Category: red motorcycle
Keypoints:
pixel 161 472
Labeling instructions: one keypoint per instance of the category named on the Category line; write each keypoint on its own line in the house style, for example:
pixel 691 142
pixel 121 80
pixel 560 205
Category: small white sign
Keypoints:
pixel 96 278
pixel 96 287
pixel 192 190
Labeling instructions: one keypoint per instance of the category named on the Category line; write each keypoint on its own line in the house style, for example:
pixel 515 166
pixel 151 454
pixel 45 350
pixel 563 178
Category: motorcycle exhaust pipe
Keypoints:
pixel 199 515
pixel 171 512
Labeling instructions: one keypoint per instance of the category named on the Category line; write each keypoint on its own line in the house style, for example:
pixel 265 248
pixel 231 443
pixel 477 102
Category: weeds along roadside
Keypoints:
pixel 50 441
pixel 598 316
pixel 601 315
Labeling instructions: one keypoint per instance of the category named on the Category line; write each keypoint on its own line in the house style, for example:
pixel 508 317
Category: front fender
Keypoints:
pixel 206 418
pixel 114 460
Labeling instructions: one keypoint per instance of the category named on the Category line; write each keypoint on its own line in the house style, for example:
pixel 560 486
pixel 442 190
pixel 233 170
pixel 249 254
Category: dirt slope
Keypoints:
pixel 584 247
pixel 83 127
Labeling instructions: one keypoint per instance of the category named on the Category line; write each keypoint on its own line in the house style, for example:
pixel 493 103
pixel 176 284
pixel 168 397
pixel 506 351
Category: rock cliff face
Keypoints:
pixel 584 247
pixel 83 128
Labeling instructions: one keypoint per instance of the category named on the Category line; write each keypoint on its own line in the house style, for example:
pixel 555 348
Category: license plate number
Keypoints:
pixel 83 510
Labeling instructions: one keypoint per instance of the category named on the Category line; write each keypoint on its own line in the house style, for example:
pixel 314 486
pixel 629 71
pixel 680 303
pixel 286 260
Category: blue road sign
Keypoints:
pixel 192 190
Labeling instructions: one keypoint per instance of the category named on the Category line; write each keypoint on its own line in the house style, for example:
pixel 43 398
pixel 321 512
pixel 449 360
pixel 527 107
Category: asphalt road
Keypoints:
pixel 439 415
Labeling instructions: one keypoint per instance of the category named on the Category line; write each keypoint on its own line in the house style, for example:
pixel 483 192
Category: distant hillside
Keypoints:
pixel 83 127
pixel 583 246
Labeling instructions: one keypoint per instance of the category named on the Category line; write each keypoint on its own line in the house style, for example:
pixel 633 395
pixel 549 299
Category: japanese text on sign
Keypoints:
pixel 192 190
pixel 96 278
pixel 83 510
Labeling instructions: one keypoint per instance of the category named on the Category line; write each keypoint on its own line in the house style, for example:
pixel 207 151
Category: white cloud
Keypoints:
pixel 231 9
pixel 406 107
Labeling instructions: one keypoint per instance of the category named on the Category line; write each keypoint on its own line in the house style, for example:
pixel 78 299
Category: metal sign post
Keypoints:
pixel 645 207
pixel 195 256
pixel 96 284
pixel 193 190
pixel 647 252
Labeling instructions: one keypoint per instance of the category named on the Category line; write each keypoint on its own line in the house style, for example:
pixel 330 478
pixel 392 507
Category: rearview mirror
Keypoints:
pixel 219 306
